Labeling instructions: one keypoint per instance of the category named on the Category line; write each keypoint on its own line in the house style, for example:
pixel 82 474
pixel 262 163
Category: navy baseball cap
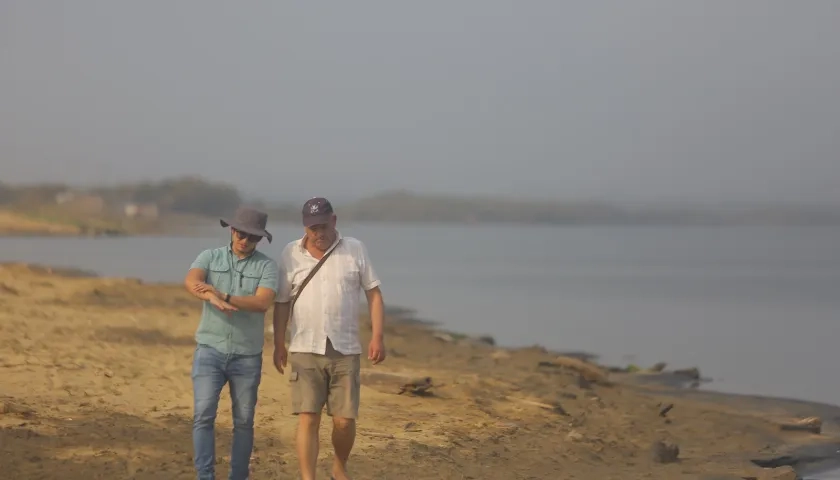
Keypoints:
pixel 316 211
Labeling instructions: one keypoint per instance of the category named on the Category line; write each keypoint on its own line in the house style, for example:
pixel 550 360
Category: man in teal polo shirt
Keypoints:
pixel 238 285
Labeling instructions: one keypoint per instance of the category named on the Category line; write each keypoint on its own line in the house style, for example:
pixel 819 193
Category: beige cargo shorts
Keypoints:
pixel 331 379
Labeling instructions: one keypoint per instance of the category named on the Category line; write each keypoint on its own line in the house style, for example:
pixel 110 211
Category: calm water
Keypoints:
pixel 755 308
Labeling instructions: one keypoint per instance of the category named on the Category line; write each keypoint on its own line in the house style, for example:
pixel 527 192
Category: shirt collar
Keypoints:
pixel 230 251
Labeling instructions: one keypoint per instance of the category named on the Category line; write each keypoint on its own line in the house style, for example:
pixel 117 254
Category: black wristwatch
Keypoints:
pixel 227 297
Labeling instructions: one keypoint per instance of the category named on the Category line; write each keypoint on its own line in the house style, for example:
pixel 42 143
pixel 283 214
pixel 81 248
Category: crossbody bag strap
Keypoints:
pixel 309 277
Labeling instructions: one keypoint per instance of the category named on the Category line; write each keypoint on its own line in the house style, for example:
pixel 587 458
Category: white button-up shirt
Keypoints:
pixel 329 304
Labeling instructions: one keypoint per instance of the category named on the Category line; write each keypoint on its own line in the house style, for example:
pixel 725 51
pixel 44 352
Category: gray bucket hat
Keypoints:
pixel 248 220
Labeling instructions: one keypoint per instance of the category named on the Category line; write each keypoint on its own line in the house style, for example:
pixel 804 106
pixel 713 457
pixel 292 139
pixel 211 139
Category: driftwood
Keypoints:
pixel 376 434
pixel 556 408
pixel 809 424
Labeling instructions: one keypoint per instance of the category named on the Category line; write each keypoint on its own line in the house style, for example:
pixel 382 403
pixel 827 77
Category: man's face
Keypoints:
pixel 243 242
pixel 322 235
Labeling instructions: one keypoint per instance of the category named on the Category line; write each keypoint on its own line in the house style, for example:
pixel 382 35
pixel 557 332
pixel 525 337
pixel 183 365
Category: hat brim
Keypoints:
pixel 317 220
pixel 252 231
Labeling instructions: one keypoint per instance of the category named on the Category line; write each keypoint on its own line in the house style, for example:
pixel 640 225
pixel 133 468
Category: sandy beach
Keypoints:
pixel 95 384
pixel 12 223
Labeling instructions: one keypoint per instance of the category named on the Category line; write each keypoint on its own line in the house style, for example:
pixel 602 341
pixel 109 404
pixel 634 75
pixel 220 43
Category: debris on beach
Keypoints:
pixel 417 386
pixel 589 372
pixel 444 337
pixel 554 408
pixel 780 473
pixel 664 452
pixel 808 424
pixel 399 384
pixel 448 337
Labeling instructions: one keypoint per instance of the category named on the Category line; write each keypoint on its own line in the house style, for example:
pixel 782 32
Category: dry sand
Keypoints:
pixel 95 384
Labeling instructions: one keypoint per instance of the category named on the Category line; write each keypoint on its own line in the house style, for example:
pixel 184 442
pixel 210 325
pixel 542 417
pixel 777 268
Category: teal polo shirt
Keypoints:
pixel 241 332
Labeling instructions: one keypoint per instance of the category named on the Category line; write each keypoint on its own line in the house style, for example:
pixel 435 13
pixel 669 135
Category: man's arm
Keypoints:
pixel 259 302
pixel 195 283
pixel 377 312
pixel 264 296
pixel 282 303
pixel 280 322
pixel 195 277
pixel 370 283
pixel 197 274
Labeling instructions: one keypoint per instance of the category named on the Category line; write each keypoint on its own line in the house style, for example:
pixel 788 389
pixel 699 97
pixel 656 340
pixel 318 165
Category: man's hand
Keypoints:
pixel 222 305
pixel 376 350
pixel 280 357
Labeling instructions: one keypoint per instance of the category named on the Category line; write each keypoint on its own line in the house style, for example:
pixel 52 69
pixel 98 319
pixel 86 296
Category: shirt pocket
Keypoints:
pixel 348 278
pixel 218 275
pixel 249 280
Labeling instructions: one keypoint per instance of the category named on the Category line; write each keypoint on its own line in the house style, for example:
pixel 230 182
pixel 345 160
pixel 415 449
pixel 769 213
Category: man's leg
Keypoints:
pixel 343 437
pixel 208 379
pixel 307 444
pixel 343 406
pixel 244 374
pixel 308 382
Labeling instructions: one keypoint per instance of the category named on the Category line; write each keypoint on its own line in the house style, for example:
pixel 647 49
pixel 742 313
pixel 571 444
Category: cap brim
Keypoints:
pixel 317 220
pixel 252 231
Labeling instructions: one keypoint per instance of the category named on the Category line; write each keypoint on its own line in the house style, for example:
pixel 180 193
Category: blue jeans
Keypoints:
pixel 210 371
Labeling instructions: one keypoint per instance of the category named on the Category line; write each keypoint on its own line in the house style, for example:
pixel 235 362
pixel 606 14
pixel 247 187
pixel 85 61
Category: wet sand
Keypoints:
pixel 95 384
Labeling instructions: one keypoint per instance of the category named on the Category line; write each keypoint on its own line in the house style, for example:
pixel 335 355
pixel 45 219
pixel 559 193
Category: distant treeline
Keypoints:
pixel 414 208
pixel 188 195
pixel 193 195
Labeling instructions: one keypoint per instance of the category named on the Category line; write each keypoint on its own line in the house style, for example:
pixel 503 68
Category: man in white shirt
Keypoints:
pixel 324 351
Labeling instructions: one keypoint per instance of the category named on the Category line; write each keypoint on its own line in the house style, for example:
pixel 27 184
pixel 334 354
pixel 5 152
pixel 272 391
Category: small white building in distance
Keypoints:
pixel 141 210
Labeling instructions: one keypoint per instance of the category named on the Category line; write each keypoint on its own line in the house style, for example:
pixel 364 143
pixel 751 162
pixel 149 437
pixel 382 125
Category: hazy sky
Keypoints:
pixel 641 100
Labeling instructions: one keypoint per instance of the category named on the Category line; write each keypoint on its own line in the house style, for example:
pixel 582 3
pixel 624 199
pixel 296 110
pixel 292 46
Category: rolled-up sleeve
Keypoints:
pixel 270 276
pixel 369 279
pixel 284 278
pixel 203 260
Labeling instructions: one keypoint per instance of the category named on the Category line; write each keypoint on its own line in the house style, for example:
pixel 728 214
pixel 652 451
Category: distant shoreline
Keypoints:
pixel 185 232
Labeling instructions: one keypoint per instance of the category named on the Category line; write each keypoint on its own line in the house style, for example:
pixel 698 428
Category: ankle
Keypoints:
pixel 339 467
